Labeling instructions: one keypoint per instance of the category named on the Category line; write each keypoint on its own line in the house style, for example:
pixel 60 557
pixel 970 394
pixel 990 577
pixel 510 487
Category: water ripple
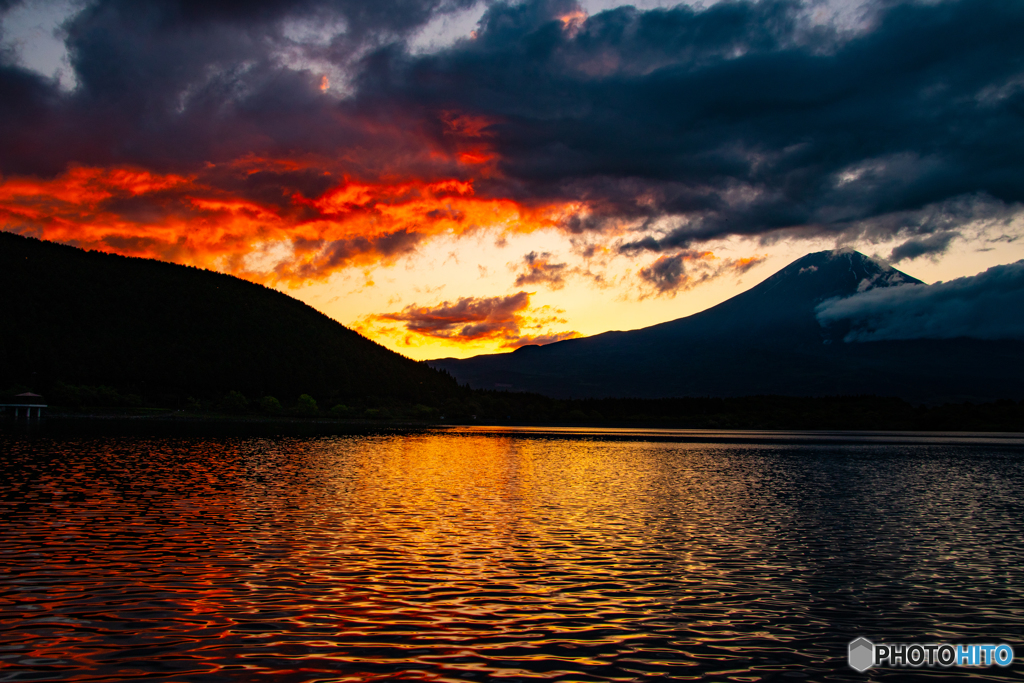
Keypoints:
pixel 467 554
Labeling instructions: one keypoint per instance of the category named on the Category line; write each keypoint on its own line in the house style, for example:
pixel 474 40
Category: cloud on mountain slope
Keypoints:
pixel 989 305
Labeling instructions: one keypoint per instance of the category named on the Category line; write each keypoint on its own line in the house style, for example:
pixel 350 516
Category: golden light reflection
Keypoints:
pixel 491 551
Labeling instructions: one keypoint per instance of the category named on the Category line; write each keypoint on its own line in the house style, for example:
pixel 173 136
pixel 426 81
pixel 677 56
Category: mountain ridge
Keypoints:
pixel 160 329
pixel 766 340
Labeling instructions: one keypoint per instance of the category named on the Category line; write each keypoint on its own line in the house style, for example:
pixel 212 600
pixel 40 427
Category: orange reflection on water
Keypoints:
pixel 497 554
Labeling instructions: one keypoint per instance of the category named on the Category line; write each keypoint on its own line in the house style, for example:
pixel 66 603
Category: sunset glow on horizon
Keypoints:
pixel 557 169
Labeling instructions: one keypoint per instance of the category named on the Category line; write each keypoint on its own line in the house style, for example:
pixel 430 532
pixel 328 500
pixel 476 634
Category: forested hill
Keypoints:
pixel 164 331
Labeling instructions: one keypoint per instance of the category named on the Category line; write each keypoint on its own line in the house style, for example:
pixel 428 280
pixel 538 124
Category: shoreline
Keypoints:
pixel 171 421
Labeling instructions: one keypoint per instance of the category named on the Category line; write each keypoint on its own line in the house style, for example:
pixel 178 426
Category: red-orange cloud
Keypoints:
pixel 267 220
pixel 507 320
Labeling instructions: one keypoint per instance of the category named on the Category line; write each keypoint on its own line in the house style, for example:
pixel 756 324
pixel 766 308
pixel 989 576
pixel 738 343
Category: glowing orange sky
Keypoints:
pixel 183 219
pixel 454 195
pixel 299 241
pixel 196 219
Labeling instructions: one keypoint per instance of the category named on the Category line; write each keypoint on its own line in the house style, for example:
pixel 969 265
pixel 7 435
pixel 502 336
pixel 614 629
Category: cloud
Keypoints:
pixel 655 131
pixel 672 273
pixel 242 153
pixel 504 319
pixel 922 246
pixel 986 306
pixel 740 118
pixel 540 271
pixel 231 217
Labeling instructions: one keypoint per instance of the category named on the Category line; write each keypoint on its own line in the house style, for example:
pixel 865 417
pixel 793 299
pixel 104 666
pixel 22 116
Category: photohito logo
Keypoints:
pixel 863 654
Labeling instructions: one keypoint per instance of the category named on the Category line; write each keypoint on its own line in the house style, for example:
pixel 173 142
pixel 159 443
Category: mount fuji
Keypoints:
pixel 767 340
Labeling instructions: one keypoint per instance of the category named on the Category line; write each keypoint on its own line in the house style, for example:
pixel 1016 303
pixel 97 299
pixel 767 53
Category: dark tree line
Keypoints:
pixel 92 330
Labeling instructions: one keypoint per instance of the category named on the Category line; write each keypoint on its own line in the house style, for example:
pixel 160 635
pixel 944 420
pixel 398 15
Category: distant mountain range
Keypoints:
pixel 767 340
pixel 165 332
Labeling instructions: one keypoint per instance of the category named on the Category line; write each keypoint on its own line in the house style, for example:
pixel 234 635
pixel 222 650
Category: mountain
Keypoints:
pixel 766 340
pixel 165 331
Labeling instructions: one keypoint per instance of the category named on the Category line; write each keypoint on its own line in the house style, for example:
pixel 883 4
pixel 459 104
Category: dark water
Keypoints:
pixel 508 555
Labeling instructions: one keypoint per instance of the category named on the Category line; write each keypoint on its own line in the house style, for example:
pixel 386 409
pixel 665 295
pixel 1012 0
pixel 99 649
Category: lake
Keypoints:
pixel 511 554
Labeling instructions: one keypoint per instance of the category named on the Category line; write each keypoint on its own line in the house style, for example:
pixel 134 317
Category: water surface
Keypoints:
pixel 506 554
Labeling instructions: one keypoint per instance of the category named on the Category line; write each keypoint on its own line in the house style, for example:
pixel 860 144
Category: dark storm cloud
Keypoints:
pixel 986 306
pixel 922 246
pixel 173 84
pixel 739 119
pixel 392 17
pixel 27 104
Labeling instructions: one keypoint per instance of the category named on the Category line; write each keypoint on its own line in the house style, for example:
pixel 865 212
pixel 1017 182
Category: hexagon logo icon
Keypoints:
pixel 862 654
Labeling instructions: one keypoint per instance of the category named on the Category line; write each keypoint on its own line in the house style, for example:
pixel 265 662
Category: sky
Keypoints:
pixel 455 177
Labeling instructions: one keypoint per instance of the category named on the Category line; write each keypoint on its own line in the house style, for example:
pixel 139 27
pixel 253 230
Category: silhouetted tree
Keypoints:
pixel 306 405
pixel 234 402
pixel 271 406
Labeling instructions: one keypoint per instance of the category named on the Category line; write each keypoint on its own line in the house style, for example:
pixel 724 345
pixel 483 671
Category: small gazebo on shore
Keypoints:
pixel 24 404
